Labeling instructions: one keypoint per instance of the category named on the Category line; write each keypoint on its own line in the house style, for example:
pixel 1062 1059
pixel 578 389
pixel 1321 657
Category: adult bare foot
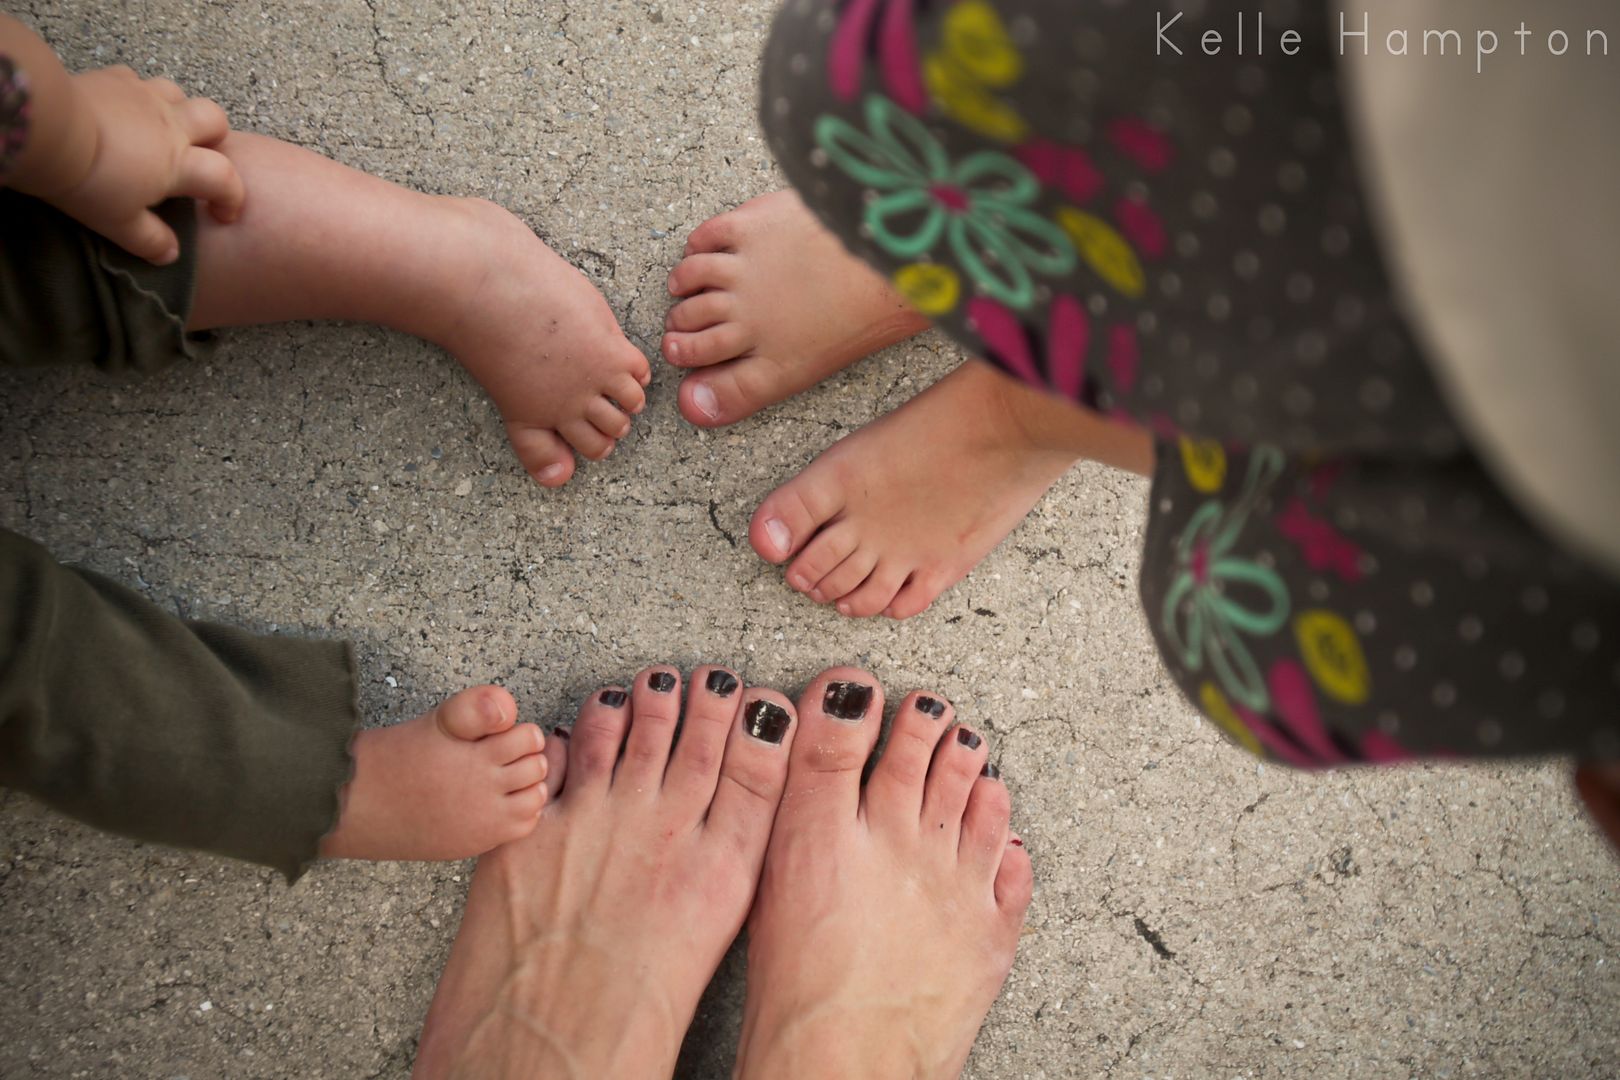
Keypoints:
pixel 887 918
pixel 890 517
pixel 585 947
pixel 451 784
pixel 774 304
pixel 543 343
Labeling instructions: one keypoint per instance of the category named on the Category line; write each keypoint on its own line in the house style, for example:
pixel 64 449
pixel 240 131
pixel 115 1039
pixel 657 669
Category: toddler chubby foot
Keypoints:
pixel 773 305
pixel 451 784
pixel 543 343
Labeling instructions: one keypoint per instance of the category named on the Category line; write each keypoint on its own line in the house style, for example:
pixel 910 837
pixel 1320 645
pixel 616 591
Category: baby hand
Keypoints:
pixel 152 143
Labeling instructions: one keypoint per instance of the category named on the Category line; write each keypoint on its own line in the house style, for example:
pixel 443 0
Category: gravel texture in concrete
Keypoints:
pixel 1196 914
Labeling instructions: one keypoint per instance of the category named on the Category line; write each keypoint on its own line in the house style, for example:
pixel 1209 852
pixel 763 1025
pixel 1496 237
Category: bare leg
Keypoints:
pixel 318 240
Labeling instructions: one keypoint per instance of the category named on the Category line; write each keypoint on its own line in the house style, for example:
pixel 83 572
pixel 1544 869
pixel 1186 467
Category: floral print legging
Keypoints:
pixel 1181 242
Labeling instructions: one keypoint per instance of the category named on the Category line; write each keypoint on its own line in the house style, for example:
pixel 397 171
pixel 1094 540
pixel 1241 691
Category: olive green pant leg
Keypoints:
pixel 121 715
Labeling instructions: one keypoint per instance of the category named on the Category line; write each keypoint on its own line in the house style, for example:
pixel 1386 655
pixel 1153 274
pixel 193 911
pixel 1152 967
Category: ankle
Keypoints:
pixel 1050 425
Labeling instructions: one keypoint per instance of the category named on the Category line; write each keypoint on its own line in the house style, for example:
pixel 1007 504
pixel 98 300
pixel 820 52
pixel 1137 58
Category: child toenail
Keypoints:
pixel 846 700
pixel 781 536
pixel 661 681
pixel 722 683
pixel 932 706
pixel 990 772
pixel 613 698
pixel 492 710
pixel 969 739
pixel 767 722
pixel 704 400
pixel 550 472
pixel 562 733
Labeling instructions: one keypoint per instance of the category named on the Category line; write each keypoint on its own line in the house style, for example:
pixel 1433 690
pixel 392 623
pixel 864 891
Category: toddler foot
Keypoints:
pixel 543 343
pixel 890 517
pixel 451 784
pixel 887 917
pixel 586 946
pixel 774 304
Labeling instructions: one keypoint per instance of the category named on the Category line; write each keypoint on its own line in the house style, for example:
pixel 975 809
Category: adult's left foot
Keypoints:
pixel 585 947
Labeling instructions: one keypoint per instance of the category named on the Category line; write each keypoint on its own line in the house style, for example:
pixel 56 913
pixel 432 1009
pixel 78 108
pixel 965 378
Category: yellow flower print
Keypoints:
pixel 1218 709
pixel 1333 656
pixel 1205 463
pixel 976 40
pixel 1105 250
pixel 930 288
pixel 968 103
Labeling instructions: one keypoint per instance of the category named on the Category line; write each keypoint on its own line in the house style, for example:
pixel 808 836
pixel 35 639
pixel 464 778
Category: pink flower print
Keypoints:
pixel 1066 168
pixel 883 28
pixel 1142 227
pixel 1015 347
pixel 1323 548
pixel 1141 142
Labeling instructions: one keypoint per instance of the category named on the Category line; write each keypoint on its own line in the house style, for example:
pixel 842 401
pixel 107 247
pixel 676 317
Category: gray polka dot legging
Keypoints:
pixel 1181 242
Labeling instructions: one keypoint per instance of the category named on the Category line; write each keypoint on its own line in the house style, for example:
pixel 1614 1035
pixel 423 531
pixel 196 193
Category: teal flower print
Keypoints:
pixel 1216 599
pixel 980 205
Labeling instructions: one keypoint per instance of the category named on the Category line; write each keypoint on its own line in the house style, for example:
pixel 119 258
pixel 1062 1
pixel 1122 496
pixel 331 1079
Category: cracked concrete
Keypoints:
pixel 1197 914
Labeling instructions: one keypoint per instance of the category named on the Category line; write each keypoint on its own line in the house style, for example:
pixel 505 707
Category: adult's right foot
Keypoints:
pixel 887 917
pixel 773 305
pixel 586 945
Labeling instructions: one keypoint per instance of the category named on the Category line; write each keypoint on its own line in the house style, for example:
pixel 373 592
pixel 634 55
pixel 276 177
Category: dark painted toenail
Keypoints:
pixel 562 733
pixel 1016 842
pixel 766 721
pixel 661 681
pixel 723 683
pixel 932 706
pixel 613 698
pixel 969 739
pixel 990 772
pixel 847 700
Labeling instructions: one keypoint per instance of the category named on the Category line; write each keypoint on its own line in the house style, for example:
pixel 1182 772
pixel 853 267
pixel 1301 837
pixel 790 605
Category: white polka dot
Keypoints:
pixel 1422 593
pixel 1405 658
pixel 1300 288
pixel 1550 704
pixel 1165 505
pixel 1273 219
pixel 1291 177
pixel 1470 628
pixel 1265 558
pixel 1208 365
pixel 1388 722
pixel 1187 245
pixel 1238 120
pixel 1319 590
pixel 1489 732
pixel 818 158
pixel 782 106
pixel 1188 410
pixel 1511 665
pixel 1444 695
pixel 1105 400
pixel 1170 285
pixel 826 20
pixel 1026 32
pixel 1204 206
pixel 1222 162
pixel 1245 388
pixel 1147 322
pixel 1247 265
pixel 1366 622
pixel 1368 565
pixel 799 64
pixel 1138 191
pixel 1347 517
pixel 1534 599
pixel 1097 304
pixel 1153 385
pixel 1219 307
pixel 1585 636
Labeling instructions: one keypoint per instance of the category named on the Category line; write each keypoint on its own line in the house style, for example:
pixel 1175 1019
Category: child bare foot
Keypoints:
pixel 890 517
pixel 451 784
pixel 585 947
pixel 774 304
pixel 887 918
pixel 543 343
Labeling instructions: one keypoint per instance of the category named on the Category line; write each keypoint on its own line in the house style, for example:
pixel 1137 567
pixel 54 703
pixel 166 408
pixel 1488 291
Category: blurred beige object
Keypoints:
pixel 1498 196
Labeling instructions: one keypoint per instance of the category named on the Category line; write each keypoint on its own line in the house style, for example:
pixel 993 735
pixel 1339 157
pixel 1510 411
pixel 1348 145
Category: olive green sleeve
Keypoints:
pixel 120 714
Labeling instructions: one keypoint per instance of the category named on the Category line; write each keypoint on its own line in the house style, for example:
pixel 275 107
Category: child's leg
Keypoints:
pixel 318 240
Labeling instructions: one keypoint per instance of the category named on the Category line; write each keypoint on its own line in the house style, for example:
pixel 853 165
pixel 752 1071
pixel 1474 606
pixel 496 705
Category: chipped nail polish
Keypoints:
pixel 766 721
pixel 990 771
pixel 613 698
pixel 932 706
pixel 1015 842
pixel 847 700
pixel 562 733
pixel 661 681
pixel 969 739
pixel 722 683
